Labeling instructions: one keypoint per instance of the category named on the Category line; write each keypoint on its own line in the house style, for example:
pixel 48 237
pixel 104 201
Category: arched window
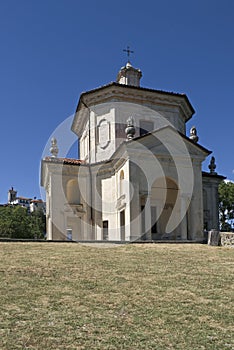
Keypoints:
pixel 73 193
pixel 121 183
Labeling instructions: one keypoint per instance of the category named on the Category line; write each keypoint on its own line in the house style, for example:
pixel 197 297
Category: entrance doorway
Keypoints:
pixel 105 230
pixel 164 194
pixel 122 225
pixel 153 223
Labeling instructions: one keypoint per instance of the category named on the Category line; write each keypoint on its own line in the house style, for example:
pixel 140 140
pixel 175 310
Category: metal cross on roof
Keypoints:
pixel 128 51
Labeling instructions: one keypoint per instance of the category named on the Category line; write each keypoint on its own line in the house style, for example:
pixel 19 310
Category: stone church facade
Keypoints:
pixel 138 177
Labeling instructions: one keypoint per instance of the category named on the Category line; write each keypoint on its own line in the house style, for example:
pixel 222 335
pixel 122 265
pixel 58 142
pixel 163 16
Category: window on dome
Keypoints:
pixel 146 126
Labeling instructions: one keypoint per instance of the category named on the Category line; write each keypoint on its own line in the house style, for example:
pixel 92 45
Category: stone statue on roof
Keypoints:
pixel 54 148
pixel 212 166
pixel 130 129
pixel 193 135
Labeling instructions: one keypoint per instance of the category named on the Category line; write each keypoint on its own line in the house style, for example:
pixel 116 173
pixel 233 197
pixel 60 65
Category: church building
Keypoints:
pixel 138 176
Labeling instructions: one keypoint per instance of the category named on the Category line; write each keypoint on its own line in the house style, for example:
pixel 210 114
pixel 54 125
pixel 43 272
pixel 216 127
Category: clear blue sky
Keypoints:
pixel 52 50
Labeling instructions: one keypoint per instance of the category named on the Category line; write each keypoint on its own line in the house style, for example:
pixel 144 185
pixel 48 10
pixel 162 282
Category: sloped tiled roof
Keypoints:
pixel 69 161
pixel 177 131
pixel 23 198
pixel 136 88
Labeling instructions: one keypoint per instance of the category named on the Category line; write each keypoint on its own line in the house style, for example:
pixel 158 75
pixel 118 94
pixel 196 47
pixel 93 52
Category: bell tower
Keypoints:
pixel 12 195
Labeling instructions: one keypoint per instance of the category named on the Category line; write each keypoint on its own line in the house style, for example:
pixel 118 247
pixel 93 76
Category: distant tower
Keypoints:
pixel 11 195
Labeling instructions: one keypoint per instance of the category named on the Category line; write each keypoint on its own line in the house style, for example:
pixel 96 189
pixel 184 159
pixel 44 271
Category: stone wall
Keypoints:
pixel 227 239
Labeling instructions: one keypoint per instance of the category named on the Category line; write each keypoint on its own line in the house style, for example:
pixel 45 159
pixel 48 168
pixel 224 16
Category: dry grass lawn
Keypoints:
pixel 72 296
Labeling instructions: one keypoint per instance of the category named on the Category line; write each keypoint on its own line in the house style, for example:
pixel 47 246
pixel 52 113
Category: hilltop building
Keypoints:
pixel 139 176
pixel 29 203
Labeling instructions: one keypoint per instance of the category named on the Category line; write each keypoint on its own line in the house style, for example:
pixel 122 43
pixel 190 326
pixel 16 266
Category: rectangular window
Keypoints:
pixel 105 230
pixel 145 127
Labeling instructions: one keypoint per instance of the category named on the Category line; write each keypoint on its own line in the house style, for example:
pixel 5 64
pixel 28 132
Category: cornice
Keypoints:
pixel 216 177
pixel 141 97
pixel 115 92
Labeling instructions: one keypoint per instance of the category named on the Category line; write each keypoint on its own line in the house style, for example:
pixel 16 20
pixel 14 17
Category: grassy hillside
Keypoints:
pixel 73 296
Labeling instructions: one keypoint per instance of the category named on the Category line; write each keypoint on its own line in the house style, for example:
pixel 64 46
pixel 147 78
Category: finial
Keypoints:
pixel 212 166
pixel 130 129
pixel 193 135
pixel 128 52
pixel 54 148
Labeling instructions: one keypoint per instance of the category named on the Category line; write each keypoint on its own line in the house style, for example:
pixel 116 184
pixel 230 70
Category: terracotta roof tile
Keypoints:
pixel 69 161
pixel 124 86
pixel 24 198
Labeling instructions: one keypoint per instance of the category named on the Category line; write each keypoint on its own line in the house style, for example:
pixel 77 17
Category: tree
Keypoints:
pixel 226 205
pixel 17 222
pixel 38 223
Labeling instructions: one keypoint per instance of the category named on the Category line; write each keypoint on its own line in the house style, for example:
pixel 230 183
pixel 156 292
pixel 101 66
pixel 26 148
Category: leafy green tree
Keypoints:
pixel 17 222
pixel 226 205
pixel 38 223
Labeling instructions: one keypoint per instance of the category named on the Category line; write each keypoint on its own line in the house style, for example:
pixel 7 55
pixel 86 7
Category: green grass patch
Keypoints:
pixel 73 296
